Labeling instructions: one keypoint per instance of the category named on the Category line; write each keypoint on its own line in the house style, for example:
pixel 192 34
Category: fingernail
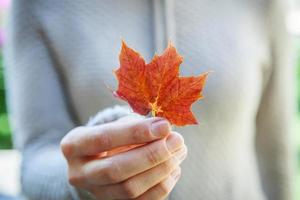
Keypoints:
pixel 160 128
pixel 174 141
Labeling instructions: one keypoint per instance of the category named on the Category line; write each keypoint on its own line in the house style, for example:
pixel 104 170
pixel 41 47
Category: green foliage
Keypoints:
pixel 297 179
pixel 297 195
pixel 5 133
pixel 298 73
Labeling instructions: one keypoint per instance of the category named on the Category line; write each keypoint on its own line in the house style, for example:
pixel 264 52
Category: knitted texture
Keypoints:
pixel 60 54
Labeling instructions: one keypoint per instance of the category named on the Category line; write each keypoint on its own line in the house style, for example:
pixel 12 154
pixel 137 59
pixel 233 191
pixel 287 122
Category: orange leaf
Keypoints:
pixel 156 87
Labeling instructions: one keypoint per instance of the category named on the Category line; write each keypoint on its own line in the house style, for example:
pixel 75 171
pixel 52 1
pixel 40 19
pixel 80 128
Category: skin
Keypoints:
pixel 145 172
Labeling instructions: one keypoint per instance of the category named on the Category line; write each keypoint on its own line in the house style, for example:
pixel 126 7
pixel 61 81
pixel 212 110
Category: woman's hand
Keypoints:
pixel 146 172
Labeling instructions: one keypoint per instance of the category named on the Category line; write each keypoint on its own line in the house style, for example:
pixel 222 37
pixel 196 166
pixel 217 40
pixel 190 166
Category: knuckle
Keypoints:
pixel 140 132
pixel 153 154
pixel 164 189
pixel 67 143
pixel 112 172
pixel 108 175
pixel 104 138
pixel 67 147
pixel 130 189
pixel 168 166
pixel 75 178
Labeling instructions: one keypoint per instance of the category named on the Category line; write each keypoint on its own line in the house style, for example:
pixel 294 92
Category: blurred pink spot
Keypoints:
pixel 4 4
pixel 2 37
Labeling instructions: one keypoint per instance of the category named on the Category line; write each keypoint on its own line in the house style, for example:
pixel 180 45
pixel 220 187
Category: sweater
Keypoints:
pixel 60 54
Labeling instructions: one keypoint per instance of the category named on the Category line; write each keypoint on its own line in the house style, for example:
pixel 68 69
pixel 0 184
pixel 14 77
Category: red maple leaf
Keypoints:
pixel 157 87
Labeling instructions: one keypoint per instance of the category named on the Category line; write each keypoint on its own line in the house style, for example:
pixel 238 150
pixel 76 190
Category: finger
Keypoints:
pixel 162 190
pixel 88 141
pixel 139 184
pixel 122 166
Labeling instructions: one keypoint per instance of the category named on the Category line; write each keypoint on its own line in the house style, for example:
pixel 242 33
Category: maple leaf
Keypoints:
pixel 157 87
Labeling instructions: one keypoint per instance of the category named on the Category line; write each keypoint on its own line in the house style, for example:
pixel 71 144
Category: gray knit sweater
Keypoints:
pixel 60 54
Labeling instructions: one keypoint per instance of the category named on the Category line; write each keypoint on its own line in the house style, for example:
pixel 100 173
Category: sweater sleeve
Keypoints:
pixel 37 107
pixel 276 115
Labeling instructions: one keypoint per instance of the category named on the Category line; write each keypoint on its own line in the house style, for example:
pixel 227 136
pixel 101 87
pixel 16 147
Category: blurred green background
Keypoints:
pixel 5 136
pixel 297 123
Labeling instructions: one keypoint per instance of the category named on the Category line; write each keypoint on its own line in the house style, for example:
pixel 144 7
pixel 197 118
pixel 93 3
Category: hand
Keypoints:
pixel 146 172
